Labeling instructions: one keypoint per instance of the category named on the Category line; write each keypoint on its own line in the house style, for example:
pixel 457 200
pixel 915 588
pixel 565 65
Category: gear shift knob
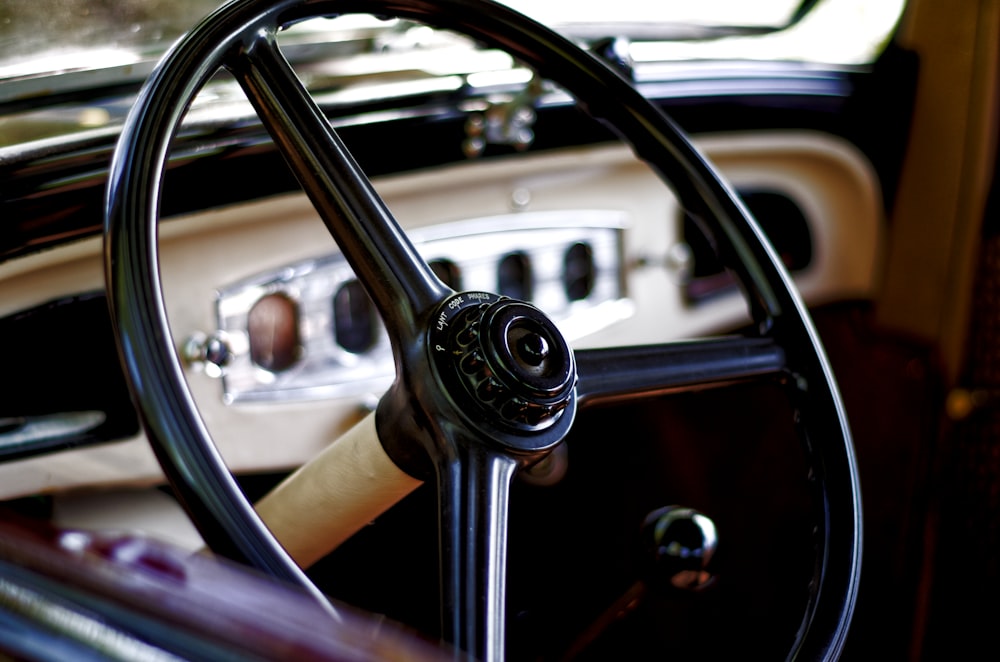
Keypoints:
pixel 678 545
pixel 681 543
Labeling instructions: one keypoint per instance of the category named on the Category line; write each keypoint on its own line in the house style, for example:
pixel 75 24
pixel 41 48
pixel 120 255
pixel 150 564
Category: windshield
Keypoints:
pixel 34 28
pixel 35 32
pixel 59 47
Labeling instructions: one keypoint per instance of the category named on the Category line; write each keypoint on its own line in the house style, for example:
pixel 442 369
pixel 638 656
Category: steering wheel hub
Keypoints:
pixel 505 358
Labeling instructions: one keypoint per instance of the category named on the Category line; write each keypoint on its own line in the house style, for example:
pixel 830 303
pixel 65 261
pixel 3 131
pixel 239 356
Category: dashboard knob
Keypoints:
pixel 208 352
pixel 680 543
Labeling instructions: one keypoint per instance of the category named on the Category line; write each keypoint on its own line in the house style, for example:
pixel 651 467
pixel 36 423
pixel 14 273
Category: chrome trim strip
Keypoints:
pixel 24 432
pixel 476 247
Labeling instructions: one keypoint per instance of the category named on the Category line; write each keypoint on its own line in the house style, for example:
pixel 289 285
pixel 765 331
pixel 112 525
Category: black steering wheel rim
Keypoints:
pixel 170 417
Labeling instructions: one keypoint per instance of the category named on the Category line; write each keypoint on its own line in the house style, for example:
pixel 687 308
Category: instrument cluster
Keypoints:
pixel 308 330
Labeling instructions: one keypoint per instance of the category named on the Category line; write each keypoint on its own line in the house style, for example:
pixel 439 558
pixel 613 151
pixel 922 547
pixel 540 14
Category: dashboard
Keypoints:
pixel 282 351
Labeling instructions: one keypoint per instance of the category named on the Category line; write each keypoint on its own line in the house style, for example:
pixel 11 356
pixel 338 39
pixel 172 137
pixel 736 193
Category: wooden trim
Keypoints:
pixel 935 230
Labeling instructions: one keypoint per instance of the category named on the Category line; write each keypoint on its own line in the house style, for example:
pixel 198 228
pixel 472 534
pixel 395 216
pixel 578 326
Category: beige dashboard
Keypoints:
pixel 830 182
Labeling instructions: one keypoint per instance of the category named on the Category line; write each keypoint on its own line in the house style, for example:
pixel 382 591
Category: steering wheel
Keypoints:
pixel 485 385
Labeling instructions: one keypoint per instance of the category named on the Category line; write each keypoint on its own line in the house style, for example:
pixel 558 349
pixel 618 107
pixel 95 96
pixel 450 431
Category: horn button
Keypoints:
pixel 508 361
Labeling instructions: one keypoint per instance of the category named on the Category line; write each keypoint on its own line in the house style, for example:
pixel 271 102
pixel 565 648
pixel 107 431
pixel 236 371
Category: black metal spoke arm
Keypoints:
pixel 618 371
pixel 473 491
pixel 397 278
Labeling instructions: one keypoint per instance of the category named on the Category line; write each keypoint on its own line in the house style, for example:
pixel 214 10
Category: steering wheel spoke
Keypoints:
pixel 399 281
pixel 473 496
pixel 673 367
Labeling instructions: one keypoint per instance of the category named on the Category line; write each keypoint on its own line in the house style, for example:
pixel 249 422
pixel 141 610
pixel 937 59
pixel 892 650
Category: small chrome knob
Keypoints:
pixel 211 353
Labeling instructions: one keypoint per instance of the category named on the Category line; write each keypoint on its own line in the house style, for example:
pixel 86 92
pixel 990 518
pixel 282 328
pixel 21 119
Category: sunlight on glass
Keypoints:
pixel 87 33
pixel 761 13
pixel 31 27
pixel 835 31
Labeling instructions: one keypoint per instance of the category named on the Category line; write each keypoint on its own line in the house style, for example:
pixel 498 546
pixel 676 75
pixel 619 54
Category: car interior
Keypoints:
pixel 454 329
